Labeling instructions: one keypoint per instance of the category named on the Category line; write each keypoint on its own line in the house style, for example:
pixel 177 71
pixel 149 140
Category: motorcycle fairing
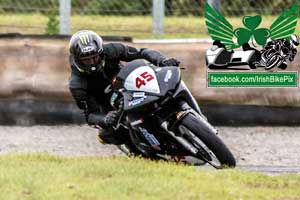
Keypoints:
pixel 183 92
pixel 157 82
pixel 142 78
pixel 127 70
pixel 133 103
pixel 168 79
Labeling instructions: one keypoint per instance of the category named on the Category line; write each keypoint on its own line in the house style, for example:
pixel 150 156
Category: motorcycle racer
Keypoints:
pixel 93 67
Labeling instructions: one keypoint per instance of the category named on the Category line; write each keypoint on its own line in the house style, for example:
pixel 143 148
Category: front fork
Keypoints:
pixel 184 110
pixel 179 139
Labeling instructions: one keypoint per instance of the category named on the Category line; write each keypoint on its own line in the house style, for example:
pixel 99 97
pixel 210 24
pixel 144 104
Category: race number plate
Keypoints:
pixel 142 79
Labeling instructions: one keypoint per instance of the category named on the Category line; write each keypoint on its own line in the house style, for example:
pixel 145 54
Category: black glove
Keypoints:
pixel 169 62
pixel 111 118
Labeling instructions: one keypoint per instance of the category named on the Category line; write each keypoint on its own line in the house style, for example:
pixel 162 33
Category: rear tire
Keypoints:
pixel 205 133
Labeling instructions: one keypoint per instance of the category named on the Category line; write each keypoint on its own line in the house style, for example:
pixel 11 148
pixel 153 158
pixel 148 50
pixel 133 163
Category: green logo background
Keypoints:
pixel 220 29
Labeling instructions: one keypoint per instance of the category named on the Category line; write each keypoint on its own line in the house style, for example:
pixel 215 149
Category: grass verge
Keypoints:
pixel 134 26
pixel 41 176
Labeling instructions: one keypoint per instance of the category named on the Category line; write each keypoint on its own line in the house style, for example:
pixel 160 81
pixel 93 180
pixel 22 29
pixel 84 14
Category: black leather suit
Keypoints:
pixel 92 92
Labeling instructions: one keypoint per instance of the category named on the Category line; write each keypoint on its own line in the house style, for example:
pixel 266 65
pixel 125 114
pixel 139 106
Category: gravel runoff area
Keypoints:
pixel 278 146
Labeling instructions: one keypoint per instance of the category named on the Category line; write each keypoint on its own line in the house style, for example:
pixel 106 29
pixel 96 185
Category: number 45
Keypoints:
pixel 143 79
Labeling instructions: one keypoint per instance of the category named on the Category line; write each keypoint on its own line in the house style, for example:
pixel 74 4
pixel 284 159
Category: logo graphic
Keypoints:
pixel 271 48
pixel 88 49
pixel 143 79
pixel 220 29
pixel 84 39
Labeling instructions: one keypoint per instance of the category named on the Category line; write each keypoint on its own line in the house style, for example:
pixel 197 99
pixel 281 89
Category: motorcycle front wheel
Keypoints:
pixel 211 148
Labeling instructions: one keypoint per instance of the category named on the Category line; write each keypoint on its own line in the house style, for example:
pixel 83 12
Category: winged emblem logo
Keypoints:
pixel 220 29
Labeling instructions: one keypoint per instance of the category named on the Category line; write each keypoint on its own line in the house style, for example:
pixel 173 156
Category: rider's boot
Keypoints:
pixel 110 136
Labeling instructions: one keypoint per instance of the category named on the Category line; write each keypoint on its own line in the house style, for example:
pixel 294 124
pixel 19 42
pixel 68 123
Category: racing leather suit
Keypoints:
pixel 92 92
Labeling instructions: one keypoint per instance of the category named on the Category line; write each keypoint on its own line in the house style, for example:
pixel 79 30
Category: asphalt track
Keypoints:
pixel 270 150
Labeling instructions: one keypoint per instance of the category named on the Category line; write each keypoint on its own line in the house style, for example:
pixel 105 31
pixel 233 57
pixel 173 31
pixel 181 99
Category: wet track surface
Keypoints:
pixel 271 150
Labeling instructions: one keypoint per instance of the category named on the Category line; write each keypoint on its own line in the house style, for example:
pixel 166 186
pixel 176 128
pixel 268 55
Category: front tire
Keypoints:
pixel 201 129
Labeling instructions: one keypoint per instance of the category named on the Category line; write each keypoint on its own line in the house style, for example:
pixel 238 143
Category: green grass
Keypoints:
pixel 41 176
pixel 134 26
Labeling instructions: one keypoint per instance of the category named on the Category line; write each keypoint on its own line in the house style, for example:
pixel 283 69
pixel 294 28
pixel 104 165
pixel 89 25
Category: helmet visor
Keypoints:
pixel 91 60
pixel 91 63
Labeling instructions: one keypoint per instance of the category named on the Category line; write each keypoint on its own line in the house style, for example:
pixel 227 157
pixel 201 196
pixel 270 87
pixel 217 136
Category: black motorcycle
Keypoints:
pixel 163 119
